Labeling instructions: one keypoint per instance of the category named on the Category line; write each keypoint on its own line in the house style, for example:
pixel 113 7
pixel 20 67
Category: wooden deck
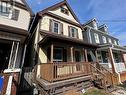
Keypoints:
pixel 67 75
pixel 65 70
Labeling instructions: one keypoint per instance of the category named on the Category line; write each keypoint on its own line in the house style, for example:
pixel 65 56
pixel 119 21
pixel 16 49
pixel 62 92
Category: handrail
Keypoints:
pixel 97 69
pixel 106 69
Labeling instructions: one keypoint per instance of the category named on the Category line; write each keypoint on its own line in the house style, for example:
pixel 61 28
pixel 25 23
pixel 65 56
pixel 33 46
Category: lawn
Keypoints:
pixel 95 91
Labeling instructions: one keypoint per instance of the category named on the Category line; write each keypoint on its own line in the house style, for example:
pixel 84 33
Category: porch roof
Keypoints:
pixel 53 37
pixel 114 47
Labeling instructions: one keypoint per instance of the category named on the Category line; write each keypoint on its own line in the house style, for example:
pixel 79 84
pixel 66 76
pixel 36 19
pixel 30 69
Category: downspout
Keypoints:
pixel 25 49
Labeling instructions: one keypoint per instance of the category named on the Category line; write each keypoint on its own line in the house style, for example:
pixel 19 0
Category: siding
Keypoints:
pixel 100 37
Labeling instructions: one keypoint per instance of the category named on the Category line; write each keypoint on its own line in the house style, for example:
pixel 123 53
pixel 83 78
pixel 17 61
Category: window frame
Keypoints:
pixel 75 33
pixel 4 9
pixel 64 10
pixel 115 42
pixel 58 60
pixel 110 40
pixel 53 27
pixel 96 37
pixel 104 39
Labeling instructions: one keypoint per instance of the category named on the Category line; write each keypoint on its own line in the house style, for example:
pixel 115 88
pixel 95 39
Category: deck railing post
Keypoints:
pixel 52 48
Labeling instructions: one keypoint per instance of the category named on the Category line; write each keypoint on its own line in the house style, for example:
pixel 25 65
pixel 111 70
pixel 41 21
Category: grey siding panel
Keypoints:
pixel 92 36
pixel 86 37
pixel 100 37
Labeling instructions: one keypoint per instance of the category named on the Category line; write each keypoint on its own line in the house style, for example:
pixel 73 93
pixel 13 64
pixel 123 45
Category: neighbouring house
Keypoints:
pixel 15 18
pixel 58 57
pixel 110 54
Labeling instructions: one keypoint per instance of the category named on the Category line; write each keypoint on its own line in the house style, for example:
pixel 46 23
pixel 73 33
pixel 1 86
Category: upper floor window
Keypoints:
pixel 115 42
pixel 104 39
pixel 4 9
pixel 96 38
pixel 73 32
pixel 64 10
pixel 95 25
pixel 109 40
pixel 7 11
pixel 56 27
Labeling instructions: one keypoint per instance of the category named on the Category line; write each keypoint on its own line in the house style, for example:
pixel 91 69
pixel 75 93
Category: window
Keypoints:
pixel 104 39
pixel 58 54
pixel 115 42
pixel 96 38
pixel 73 32
pixel 64 10
pixel 4 9
pixel 56 27
pixel 95 25
pixel 109 40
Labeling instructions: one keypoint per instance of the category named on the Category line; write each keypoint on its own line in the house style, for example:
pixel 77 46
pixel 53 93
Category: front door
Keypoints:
pixel 78 59
pixel 77 56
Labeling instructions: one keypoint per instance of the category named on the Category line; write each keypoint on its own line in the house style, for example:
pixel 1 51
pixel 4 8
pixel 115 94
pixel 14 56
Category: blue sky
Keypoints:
pixel 110 12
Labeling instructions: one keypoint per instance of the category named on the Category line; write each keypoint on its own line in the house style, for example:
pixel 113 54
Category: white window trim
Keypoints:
pixel 96 38
pixel 104 39
pixel 115 42
pixel 10 11
pixel 95 25
pixel 61 60
pixel 58 26
pixel 75 34
pixel 109 40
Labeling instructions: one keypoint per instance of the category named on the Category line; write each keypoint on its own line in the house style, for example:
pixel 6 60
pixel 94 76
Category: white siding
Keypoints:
pixel 58 12
pixel 45 24
pixel 22 22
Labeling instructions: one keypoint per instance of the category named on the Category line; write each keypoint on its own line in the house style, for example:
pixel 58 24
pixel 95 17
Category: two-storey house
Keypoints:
pixel 59 55
pixel 15 17
pixel 110 54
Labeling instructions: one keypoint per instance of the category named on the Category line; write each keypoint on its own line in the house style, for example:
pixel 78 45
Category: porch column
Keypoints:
pixel 71 53
pixel 12 49
pixel 13 55
pixel 52 47
pixel 16 52
pixel 123 58
pixel 96 55
pixel 85 53
pixel 112 60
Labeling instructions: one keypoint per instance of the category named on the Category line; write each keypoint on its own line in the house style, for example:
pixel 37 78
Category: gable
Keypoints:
pixel 58 12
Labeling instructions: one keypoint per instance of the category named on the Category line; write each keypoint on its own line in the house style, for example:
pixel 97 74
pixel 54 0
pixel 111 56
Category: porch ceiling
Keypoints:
pixel 114 47
pixel 53 37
